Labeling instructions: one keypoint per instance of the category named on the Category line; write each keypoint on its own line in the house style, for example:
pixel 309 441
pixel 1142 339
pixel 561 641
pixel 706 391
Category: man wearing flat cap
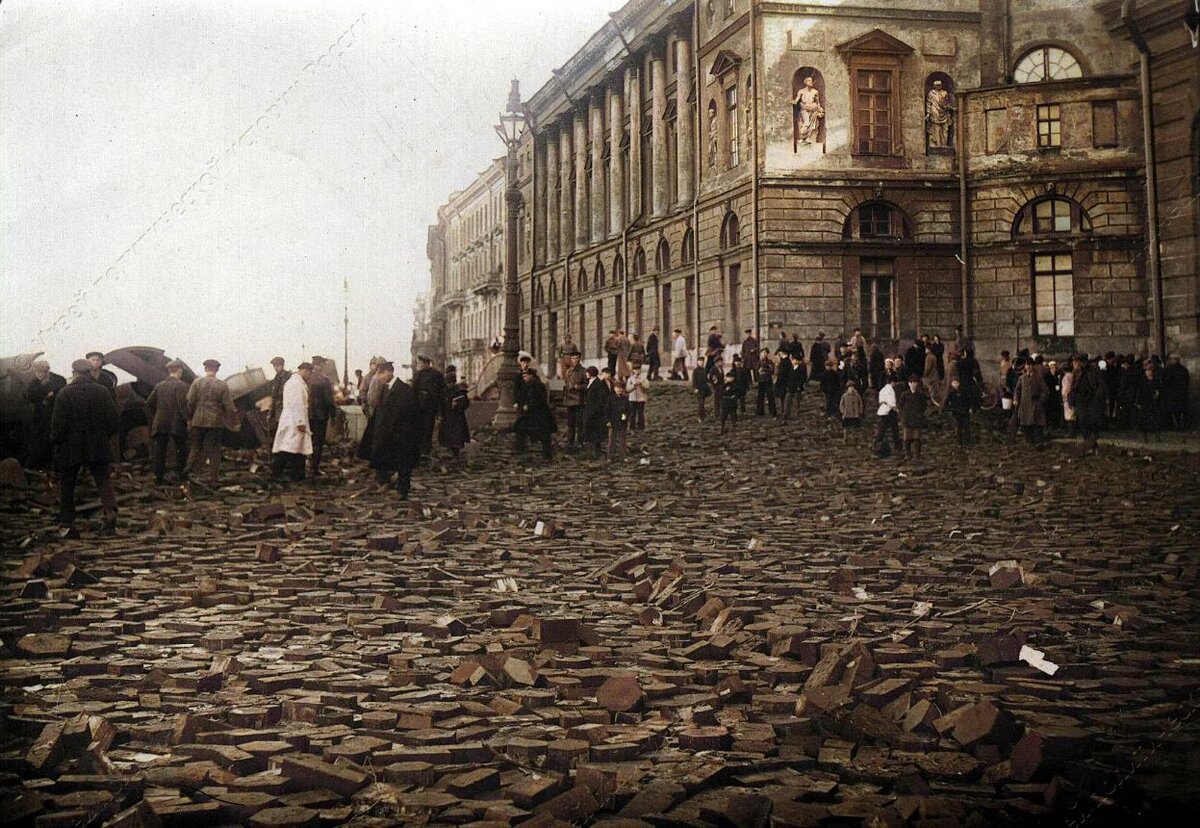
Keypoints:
pixel 575 382
pixel 83 423
pixel 210 406
pixel 167 410
pixel 106 378
pixel 280 379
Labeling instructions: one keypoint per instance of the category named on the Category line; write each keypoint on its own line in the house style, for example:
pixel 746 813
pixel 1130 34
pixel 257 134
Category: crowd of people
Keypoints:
pixel 75 423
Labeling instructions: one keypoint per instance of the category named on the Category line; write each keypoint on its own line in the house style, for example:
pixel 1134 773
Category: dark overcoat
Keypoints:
pixel 85 418
pixel 392 441
pixel 166 407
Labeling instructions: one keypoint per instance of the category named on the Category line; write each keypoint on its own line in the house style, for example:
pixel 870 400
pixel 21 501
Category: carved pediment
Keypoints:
pixel 877 42
pixel 725 62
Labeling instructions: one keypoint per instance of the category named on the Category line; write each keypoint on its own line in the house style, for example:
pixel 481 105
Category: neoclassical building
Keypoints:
pixel 902 167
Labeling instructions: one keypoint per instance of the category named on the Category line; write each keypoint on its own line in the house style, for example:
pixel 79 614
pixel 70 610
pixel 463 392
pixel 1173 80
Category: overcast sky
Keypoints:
pixel 200 175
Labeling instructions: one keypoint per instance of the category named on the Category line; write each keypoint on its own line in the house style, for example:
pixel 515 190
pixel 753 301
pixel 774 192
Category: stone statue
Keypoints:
pixel 712 137
pixel 810 113
pixel 939 116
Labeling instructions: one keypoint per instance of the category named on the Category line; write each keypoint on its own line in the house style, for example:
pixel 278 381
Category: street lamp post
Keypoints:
pixel 510 128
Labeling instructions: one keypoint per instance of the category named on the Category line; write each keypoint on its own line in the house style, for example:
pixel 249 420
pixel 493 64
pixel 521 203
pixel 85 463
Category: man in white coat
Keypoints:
pixel 293 441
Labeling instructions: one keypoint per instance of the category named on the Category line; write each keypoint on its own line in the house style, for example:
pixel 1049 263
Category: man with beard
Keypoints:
pixel 166 408
pixel 392 441
pixel 321 409
pixel 84 420
pixel 40 394
pixel 750 349
pixel 430 388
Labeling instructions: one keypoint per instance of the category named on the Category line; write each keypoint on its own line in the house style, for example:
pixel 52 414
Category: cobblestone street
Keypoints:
pixel 770 627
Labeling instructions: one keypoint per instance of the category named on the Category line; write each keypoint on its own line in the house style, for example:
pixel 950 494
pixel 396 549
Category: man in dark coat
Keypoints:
pixel 395 434
pixel 84 420
pixel 535 420
pixel 911 405
pixel 106 378
pixel 1091 399
pixel 713 348
pixel 166 408
pixel 321 409
pixel 596 411
pixel 280 379
pixel 914 360
pixel 210 410
pixel 818 355
pixel 40 394
pixel 876 367
pixel 701 387
pixel 1175 382
pixel 455 432
pixel 743 375
pixel 750 348
pixel 652 355
pixel 430 388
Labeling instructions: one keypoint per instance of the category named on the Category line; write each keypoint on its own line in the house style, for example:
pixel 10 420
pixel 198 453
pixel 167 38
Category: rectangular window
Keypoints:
pixel 552 323
pixel 873 114
pixel 600 337
pixel 1053 295
pixel 639 309
pixel 1049 125
pixel 731 122
pixel 735 296
pixel 877 282
pixel 875 220
pixel 672 162
pixel 618 316
pixel 583 331
pixel 1052 216
pixel 1104 124
pixel 666 309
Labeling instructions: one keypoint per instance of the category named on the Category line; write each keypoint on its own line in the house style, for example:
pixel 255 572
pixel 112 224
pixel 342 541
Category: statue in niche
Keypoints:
pixel 810 112
pixel 712 136
pixel 940 109
pixel 711 10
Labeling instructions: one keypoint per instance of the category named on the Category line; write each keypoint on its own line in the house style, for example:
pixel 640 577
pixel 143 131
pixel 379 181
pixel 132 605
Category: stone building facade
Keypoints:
pixel 465 304
pixel 820 166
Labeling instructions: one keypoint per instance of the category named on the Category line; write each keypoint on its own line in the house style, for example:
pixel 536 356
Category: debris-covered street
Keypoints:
pixel 770 627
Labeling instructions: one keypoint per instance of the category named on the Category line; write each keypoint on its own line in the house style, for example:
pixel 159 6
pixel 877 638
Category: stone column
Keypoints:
pixel 684 124
pixel 581 183
pixel 633 102
pixel 566 205
pixel 553 178
pixel 658 134
pixel 616 177
pixel 599 209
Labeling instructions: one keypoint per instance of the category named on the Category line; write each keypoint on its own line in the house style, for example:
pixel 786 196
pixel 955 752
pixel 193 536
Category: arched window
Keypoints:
pixel 540 294
pixel 639 262
pixel 618 269
pixel 1051 216
pixel 582 284
pixel 1047 63
pixel 600 275
pixel 687 252
pixel 731 233
pixel 553 291
pixel 662 256
pixel 808 108
pixel 878 221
